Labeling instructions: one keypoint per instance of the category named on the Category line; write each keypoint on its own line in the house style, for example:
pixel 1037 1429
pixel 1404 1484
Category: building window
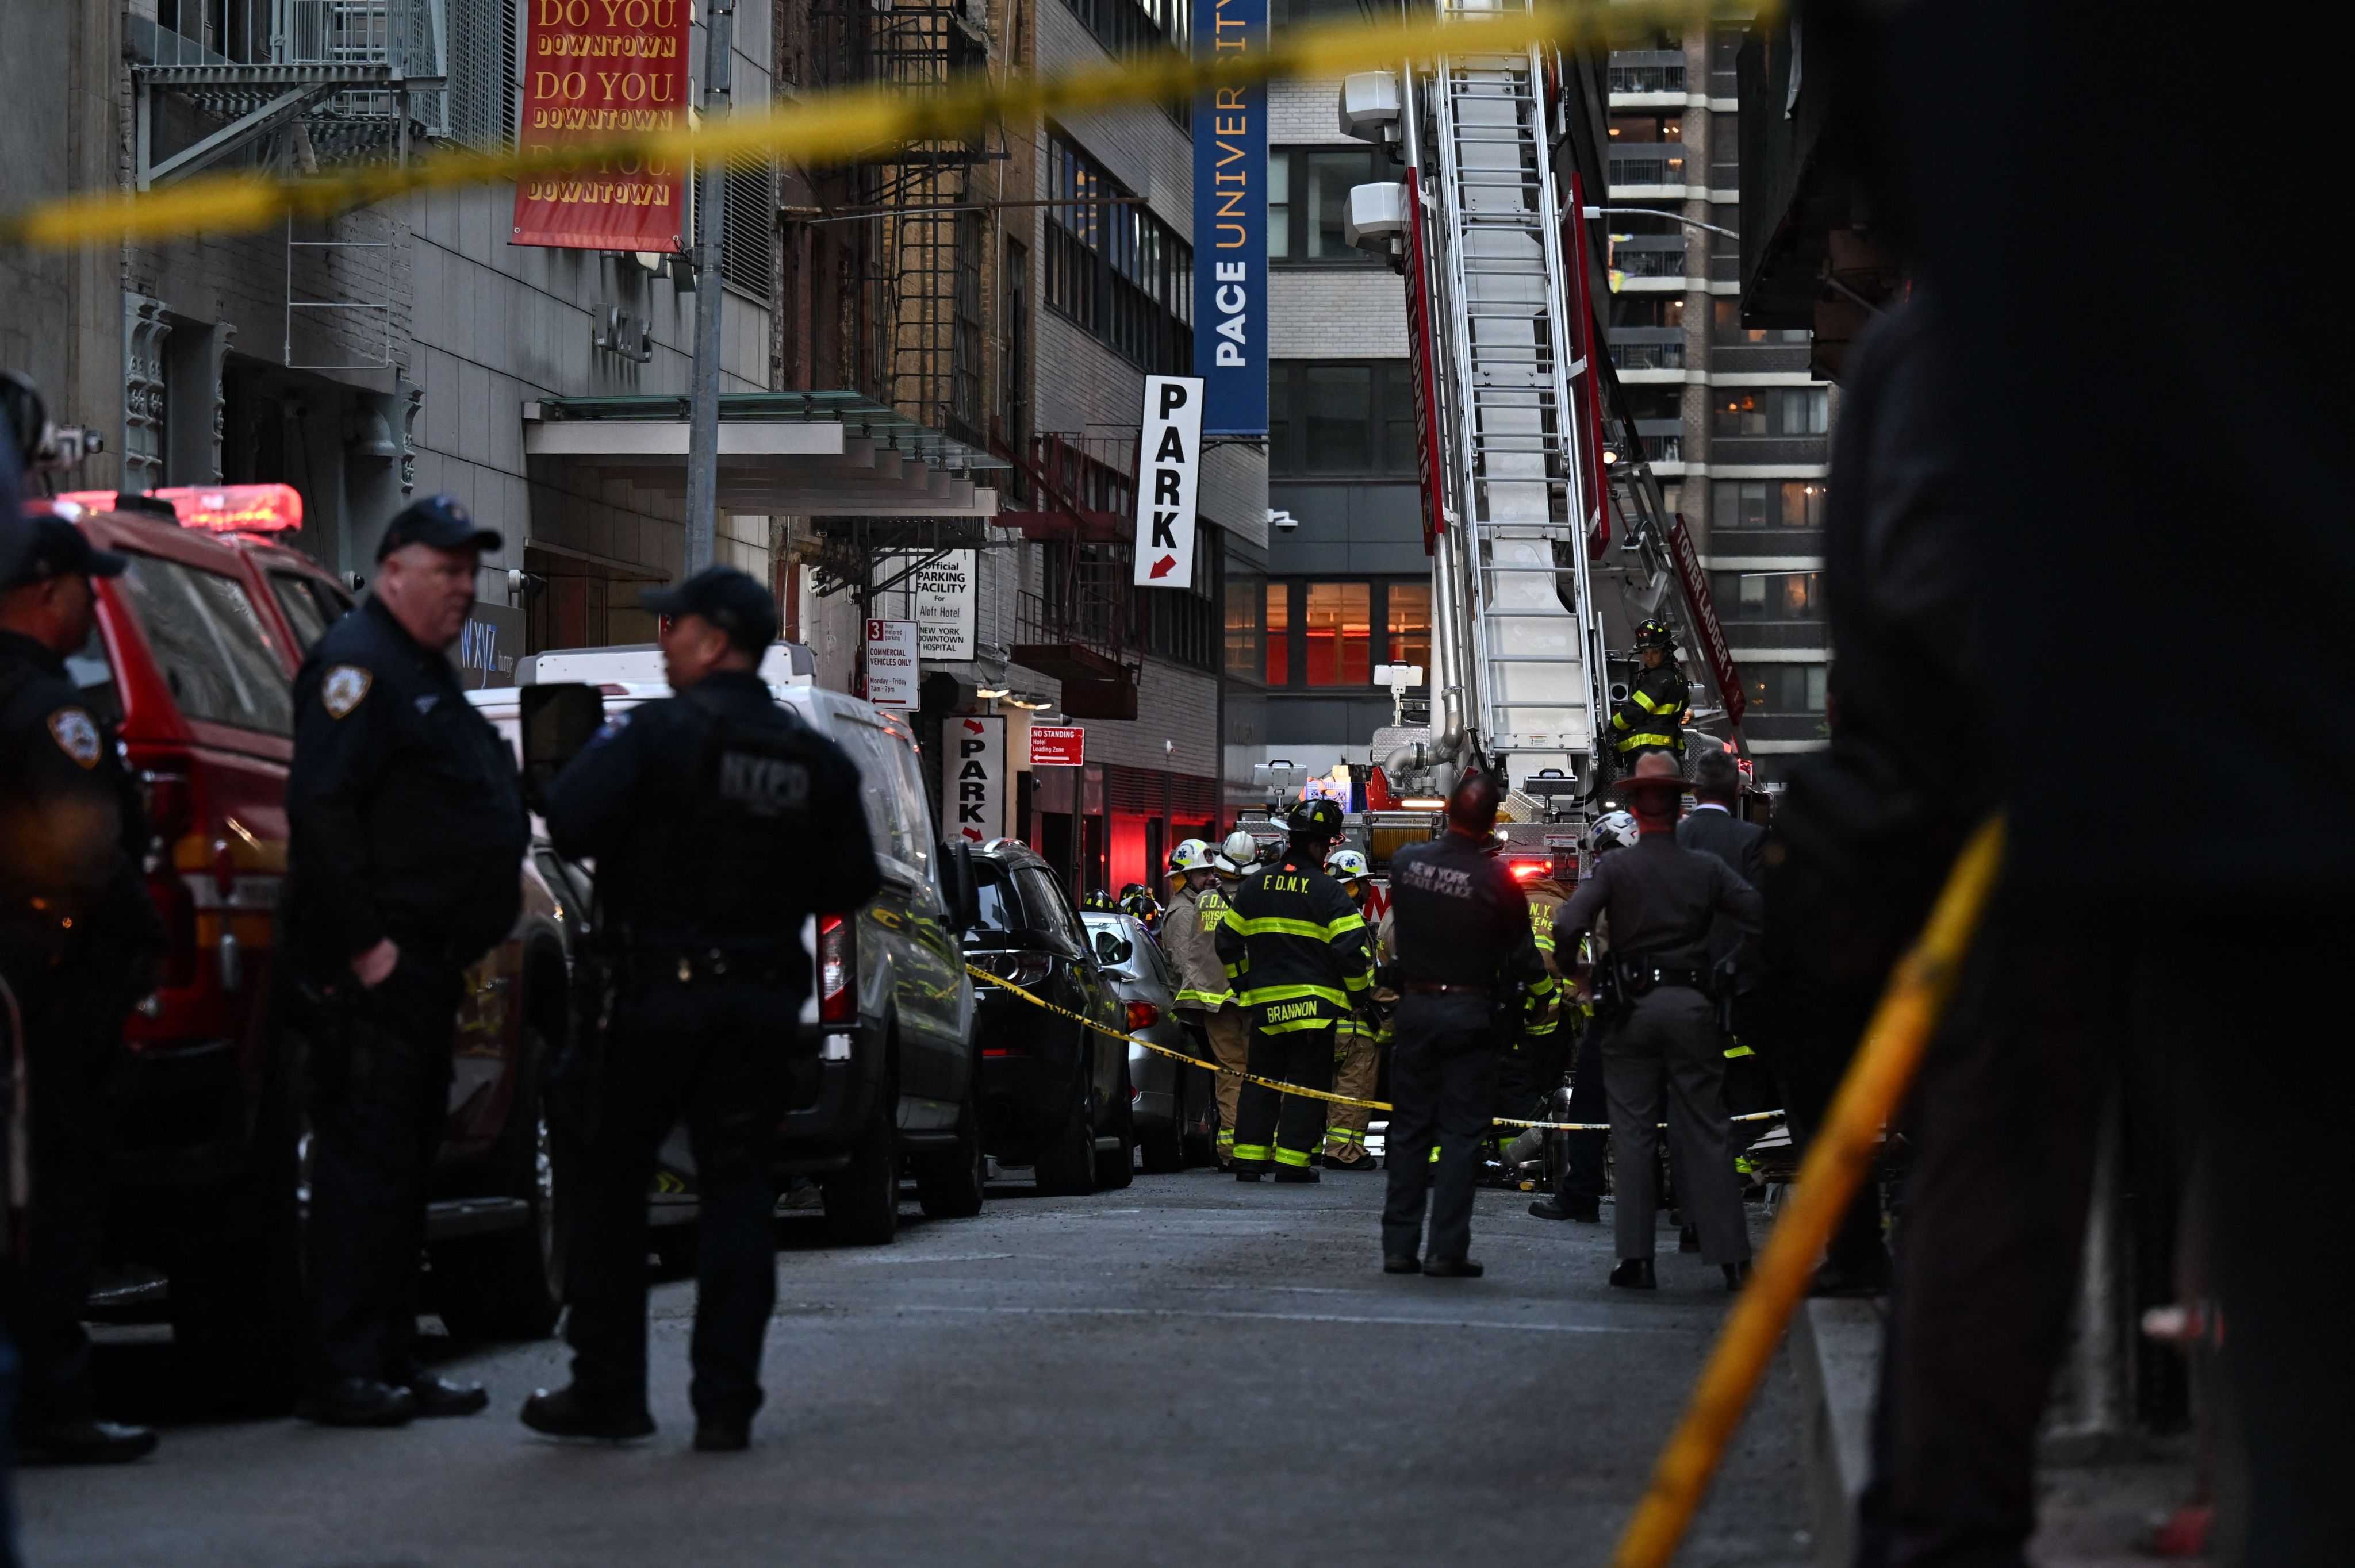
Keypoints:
pixel 1765 503
pixel 1771 410
pixel 1785 689
pixel 1279 12
pixel 1116 272
pixel 1123 26
pixel 1279 634
pixel 1407 625
pixel 1725 325
pixel 1308 197
pixel 1246 615
pixel 1340 626
pixel 1630 130
pixel 1654 402
pixel 1768 596
pixel 1346 419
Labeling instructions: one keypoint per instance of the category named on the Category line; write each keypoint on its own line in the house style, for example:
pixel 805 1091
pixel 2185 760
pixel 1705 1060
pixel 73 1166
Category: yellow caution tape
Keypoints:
pixel 1276 1084
pixel 850 123
pixel 1836 1164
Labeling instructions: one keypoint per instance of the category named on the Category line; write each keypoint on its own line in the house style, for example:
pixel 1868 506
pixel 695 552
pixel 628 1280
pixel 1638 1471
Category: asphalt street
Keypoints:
pixel 1190 1372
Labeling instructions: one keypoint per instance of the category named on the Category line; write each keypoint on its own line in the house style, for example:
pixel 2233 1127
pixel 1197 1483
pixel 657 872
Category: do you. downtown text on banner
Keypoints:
pixel 596 68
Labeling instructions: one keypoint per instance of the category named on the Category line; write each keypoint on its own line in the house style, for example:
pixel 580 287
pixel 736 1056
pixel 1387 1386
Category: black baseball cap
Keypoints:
pixel 731 600
pixel 53 547
pixel 439 522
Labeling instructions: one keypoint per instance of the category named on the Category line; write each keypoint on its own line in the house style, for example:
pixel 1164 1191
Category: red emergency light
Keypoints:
pixel 217 508
pixel 1528 870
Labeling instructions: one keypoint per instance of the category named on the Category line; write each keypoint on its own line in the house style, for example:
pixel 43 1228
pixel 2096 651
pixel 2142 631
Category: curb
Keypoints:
pixel 1836 1352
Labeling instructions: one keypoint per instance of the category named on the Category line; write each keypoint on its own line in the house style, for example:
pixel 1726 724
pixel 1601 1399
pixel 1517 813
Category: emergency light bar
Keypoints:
pixel 216 508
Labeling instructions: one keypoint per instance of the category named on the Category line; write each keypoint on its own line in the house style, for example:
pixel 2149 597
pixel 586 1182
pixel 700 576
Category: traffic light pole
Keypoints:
pixel 703 411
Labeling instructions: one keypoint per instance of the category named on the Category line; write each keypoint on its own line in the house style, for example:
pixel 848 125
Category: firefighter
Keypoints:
pixel 1295 948
pixel 1464 952
pixel 1358 1040
pixel 1238 858
pixel 1578 1192
pixel 1536 1062
pixel 1653 716
pixel 1206 1002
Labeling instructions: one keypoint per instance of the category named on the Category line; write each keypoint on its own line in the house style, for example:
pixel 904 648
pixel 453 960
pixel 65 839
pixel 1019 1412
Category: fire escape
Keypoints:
pixel 1080 627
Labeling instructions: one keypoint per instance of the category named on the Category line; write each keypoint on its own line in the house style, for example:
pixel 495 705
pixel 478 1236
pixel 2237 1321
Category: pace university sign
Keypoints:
pixel 1230 226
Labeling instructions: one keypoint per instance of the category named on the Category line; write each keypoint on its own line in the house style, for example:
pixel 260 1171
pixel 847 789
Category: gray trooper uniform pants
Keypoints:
pixel 1667 1055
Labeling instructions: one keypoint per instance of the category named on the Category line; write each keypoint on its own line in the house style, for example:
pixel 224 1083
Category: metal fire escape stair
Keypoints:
pixel 1537 645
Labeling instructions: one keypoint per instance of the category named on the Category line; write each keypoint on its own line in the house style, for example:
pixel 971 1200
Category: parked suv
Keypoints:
pixel 885 1082
pixel 194 657
pixel 1054 1094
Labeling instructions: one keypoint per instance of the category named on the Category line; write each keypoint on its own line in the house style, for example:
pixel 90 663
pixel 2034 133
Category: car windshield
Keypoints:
pixel 311 607
pixel 210 645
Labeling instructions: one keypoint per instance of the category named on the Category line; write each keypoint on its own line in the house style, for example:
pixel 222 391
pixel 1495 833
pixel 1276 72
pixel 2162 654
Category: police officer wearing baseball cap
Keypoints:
pixel 78 941
pixel 407 843
pixel 720 823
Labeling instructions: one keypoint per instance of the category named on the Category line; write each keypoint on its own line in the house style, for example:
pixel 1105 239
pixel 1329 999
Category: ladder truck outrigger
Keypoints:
pixel 1513 401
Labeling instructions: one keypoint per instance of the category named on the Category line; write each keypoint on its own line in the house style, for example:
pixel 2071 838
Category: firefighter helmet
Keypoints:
pixel 1239 853
pixel 1656 633
pixel 1099 899
pixel 1613 830
pixel 1344 864
pixel 1315 819
pixel 1134 900
pixel 1191 855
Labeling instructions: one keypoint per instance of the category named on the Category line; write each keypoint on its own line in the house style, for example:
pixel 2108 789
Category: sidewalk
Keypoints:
pixel 2091 1513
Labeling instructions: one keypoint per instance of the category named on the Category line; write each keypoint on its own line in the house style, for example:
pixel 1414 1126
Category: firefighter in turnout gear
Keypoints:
pixel 1653 716
pixel 1206 1002
pixel 1358 1040
pixel 1466 962
pixel 1295 952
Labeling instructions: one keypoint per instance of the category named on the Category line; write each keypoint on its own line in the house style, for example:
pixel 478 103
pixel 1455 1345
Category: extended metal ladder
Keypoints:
pixel 1536 639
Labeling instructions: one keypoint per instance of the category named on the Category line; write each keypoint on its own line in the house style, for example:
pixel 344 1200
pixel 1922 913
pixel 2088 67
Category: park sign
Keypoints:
pixel 1168 475
pixel 594 69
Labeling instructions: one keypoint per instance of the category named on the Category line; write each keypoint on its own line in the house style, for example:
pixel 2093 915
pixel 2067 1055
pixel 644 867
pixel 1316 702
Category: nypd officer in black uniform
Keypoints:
pixel 405 861
pixel 78 941
pixel 719 822
pixel 1466 960
pixel 1666 1052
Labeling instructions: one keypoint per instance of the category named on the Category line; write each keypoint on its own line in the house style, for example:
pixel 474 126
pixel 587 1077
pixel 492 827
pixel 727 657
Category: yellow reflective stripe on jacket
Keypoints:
pixel 1278 926
pixel 1294 1026
pixel 1733 1051
pixel 1266 994
pixel 1205 998
pixel 1643 702
pixel 1628 743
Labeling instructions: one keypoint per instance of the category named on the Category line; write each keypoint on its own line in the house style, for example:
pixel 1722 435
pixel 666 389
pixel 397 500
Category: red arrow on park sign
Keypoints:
pixel 1162 567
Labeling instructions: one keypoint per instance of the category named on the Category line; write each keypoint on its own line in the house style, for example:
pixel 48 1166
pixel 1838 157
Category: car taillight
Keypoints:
pixel 837 970
pixel 1016 969
pixel 171 804
pixel 1142 1015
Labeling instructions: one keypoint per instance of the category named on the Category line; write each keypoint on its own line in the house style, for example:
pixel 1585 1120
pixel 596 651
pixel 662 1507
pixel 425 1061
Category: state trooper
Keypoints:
pixel 1206 1002
pixel 1466 963
pixel 1665 1052
pixel 720 823
pixel 405 861
pixel 1358 1040
pixel 1294 949
pixel 78 941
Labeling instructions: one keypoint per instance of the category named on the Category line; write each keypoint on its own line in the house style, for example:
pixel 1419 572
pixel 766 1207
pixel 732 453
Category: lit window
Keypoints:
pixel 1338 626
pixel 1407 625
pixel 1279 634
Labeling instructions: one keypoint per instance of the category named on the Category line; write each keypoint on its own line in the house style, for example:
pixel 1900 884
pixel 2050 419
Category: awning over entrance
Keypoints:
pixel 799 453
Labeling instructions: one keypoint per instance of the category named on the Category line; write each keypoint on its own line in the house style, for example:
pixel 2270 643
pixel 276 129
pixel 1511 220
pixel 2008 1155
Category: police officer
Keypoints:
pixel 1463 934
pixel 1206 1002
pixel 720 823
pixel 1294 949
pixel 79 941
pixel 407 833
pixel 1666 1052
pixel 1358 1040
pixel 1658 705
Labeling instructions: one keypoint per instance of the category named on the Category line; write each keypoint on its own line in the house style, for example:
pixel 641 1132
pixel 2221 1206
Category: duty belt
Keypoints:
pixel 686 966
pixel 1643 978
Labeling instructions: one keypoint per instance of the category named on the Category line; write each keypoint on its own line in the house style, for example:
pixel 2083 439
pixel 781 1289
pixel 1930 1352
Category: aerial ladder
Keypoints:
pixel 1505 417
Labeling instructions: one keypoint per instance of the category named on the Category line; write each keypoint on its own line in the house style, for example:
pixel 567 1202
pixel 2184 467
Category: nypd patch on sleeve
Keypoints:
pixel 343 688
pixel 76 734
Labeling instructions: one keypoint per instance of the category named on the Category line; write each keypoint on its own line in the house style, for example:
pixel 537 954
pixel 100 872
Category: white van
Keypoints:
pixel 887 1071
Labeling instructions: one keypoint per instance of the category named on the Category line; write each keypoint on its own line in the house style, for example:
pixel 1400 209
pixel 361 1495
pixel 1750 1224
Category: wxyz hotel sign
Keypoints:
pixel 1168 472
pixel 595 67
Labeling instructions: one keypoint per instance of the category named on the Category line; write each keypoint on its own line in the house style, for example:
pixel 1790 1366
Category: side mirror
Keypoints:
pixel 960 887
pixel 1113 951
pixel 557 721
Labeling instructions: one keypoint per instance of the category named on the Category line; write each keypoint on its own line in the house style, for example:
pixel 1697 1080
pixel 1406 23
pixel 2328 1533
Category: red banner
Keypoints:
pixel 1575 260
pixel 1706 627
pixel 600 68
pixel 1430 465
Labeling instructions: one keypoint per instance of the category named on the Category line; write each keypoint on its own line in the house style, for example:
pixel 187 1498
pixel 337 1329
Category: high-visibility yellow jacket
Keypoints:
pixel 1189 939
pixel 1658 707
pixel 1295 948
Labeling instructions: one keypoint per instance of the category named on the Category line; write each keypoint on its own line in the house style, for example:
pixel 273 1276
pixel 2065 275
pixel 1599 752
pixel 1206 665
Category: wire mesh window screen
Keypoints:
pixel 482 54
pixel 747 197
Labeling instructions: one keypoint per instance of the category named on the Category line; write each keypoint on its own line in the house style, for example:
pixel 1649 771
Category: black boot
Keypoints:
pixel 1296 1175
pixel 718 1437
pixel 1634 1274
pixel 439 1396
pixel 357 1402
pixel 1588 1212
pixel 1452 1268
pixel 84 1441
pixel 1736 1276
pixel 568 1412
pixel 1401 1263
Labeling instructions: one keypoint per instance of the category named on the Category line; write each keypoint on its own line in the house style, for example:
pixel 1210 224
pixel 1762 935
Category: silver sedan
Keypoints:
pixel 1172 1101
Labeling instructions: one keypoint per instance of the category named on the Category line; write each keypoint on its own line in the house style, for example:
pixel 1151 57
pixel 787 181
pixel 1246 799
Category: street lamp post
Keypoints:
pixel 703 410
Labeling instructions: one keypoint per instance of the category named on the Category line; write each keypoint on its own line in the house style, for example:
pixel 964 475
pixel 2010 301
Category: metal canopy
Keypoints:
pixel 780 452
